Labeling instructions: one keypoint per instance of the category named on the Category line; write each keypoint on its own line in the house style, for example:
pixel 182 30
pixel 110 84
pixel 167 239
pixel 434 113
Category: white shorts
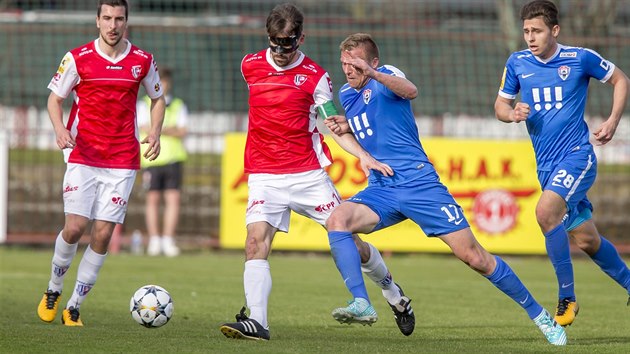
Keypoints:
pixel 272 197
pixel 97 193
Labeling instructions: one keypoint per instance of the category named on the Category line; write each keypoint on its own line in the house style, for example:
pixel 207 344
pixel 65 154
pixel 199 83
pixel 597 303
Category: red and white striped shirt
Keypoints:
pixel 103 116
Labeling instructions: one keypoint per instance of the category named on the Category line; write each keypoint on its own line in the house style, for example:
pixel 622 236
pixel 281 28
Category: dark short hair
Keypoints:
pixel 113 3
pixel 541 8
pixel 361 39
pixel 285 17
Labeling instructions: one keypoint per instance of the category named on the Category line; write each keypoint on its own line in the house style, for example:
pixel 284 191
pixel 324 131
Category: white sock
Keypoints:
pixel 376 269
pixel 62 258
pixel 257 284
pixel 89 267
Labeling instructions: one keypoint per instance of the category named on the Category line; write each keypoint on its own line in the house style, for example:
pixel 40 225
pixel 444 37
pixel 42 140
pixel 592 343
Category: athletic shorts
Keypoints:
pixel 97 193
pixel 159 178
pixel 272 197
pixel 571 179
pixel 426 201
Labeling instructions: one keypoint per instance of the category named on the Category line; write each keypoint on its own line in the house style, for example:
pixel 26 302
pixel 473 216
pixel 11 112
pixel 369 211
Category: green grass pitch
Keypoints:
pixel 457 311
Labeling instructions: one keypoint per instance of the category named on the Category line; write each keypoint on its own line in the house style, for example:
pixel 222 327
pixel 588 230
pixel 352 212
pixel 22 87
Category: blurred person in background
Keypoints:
pixel 285 156
pixel 100 146
pixel 164 175
pixel 553 83
pixel 381 96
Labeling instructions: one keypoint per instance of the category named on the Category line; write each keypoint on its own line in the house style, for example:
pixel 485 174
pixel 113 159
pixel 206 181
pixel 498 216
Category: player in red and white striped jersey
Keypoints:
pixel 285 156
pixel 100 145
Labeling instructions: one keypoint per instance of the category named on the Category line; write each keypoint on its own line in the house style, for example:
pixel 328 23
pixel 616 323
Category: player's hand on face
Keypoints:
pixel 520 112
pixel 337 124
pixel 605 132
pixel 360 65
pixel 64 140
pixel 370 163
pixel 153 150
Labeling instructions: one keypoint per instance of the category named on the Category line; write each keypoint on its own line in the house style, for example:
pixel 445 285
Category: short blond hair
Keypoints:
pixel 360 40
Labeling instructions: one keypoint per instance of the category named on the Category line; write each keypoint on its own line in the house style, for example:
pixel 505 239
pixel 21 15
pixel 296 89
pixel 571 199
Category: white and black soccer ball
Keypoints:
pixel 151 306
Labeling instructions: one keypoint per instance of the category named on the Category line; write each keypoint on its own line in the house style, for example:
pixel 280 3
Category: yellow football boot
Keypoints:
pixel 47 309
pixel 566 312
pixel 70 317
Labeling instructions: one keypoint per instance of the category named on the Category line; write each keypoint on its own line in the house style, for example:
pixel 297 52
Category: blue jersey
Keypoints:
pixel 384 125
pixel 556 91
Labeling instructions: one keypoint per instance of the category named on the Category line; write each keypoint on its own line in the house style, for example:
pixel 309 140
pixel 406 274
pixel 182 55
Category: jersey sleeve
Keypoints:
pixel 510 86
pixel 151 81
pixel 66 77
pixel 323 91
pixel 596 66
pixel 393 71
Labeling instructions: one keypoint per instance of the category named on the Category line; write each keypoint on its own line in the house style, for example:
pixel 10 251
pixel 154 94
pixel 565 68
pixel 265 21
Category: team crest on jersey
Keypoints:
pixel 564 72
pixel 136 70
pixel 299 79
pixel 367 94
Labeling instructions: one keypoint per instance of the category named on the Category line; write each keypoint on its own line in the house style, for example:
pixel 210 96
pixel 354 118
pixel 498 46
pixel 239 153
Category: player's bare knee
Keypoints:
pixel 548 217
pixel 546 221
pixel 336 223
pixel 72 233
pixel 256 247
pixel 478 260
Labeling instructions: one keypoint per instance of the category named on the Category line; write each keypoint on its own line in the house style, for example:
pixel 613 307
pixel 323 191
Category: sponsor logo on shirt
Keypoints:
pixel 140 53
pixel 568 55
pixel 309 67
pixel 85 51
pixel 62 67
pixel 114 67
pixel 157 87
pixel 255 57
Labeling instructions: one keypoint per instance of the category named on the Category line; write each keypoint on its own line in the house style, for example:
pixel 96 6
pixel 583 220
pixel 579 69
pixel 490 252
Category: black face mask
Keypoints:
pixel 284 45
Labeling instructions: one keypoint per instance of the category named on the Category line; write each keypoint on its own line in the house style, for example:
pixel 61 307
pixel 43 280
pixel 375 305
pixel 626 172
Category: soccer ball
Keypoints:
pixel 151 306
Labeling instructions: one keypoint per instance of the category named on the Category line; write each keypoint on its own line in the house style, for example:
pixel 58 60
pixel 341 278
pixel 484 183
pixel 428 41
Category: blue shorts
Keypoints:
pixel 571 179
pixel 426 202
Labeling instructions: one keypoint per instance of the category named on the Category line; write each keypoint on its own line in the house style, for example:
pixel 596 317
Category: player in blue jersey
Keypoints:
pixel 378 112
pixel 553 81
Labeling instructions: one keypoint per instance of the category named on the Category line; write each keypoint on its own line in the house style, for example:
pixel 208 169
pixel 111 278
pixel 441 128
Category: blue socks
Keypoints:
pixel 608 259
pixel 557 243
pixel 348 262
pixel 506 280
